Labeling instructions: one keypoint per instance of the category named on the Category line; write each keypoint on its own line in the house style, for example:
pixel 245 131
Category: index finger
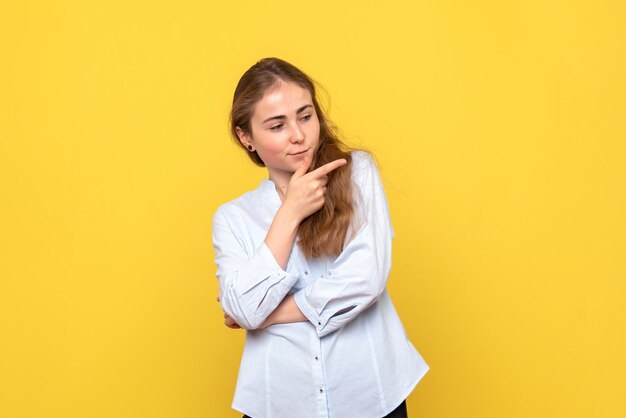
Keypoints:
pixel 327 168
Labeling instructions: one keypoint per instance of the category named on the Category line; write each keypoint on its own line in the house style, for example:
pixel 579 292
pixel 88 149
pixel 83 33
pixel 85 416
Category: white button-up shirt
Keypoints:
pixel 352 358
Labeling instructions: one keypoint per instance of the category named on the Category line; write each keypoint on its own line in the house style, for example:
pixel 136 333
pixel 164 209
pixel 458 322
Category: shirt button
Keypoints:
pixel 306 272
pixel 319 323
pixel 321 390
pixel 316 358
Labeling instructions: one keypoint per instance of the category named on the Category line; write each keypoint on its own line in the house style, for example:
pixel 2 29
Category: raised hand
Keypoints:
pixel 303 197
pixel 305 193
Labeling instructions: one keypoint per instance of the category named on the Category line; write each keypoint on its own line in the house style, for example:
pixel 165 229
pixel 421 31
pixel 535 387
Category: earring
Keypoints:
pixel 250 148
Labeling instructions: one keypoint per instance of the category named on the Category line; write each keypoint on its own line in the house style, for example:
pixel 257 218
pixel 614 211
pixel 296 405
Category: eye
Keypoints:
pixel 307 117
pixel 276 128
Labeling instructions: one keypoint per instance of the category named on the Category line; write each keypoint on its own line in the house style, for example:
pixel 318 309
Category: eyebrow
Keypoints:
pixel 300 110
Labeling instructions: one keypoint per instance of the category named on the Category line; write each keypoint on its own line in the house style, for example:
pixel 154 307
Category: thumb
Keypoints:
pixel 301 171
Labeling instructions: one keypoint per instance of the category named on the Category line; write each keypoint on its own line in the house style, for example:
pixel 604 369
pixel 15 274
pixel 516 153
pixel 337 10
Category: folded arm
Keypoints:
pixel 251 285
pixel 358 277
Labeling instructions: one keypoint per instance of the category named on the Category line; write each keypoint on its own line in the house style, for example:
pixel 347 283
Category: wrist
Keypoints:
pixel 289 217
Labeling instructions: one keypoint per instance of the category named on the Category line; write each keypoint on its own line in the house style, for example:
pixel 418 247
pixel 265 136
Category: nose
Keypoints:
pixel 296 133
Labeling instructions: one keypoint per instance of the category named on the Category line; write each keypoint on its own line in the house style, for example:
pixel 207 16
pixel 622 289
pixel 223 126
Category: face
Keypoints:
pixel 285 128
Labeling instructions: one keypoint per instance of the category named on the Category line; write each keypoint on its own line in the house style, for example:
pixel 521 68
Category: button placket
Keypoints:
pixel 318 376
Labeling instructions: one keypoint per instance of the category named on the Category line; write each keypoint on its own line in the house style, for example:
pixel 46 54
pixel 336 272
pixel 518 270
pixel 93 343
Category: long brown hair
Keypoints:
pixel 324 232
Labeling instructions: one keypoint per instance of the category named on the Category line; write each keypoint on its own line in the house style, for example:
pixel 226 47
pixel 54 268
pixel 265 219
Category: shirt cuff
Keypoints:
pixel 266 255
pixel 266 267
pixel 310 312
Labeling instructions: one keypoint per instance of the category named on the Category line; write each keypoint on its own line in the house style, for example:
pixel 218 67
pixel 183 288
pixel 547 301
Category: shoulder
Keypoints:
pixel 362 159
pixel 364 167
pixel 237 207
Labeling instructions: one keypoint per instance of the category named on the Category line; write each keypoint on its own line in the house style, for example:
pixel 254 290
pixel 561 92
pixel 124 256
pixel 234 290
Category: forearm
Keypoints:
pixel 282 234
pixel 286 312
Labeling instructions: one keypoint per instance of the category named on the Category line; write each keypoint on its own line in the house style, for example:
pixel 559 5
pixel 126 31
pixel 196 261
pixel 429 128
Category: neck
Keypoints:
pixel 281 180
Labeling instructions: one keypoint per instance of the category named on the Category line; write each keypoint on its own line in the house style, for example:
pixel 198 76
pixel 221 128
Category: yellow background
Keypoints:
pixel 501 132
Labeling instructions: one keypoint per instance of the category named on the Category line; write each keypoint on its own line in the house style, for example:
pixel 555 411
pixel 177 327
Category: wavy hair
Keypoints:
pixel 324 232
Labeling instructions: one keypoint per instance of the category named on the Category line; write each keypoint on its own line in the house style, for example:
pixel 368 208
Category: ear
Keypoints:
pixel 244 138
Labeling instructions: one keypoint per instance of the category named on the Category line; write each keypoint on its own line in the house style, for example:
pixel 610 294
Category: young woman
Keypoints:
pixel 303 261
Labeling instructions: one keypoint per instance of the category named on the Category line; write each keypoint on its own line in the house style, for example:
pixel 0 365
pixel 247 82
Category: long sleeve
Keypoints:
pixel 251 283
pixel 358 276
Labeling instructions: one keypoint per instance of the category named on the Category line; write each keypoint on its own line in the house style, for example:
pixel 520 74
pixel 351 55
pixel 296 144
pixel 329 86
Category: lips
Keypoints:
pixel 299 153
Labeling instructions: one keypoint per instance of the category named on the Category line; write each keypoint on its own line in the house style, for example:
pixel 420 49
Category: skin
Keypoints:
pixel 285 134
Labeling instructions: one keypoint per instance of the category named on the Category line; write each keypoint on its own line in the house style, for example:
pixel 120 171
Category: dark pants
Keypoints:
pixel 399 412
